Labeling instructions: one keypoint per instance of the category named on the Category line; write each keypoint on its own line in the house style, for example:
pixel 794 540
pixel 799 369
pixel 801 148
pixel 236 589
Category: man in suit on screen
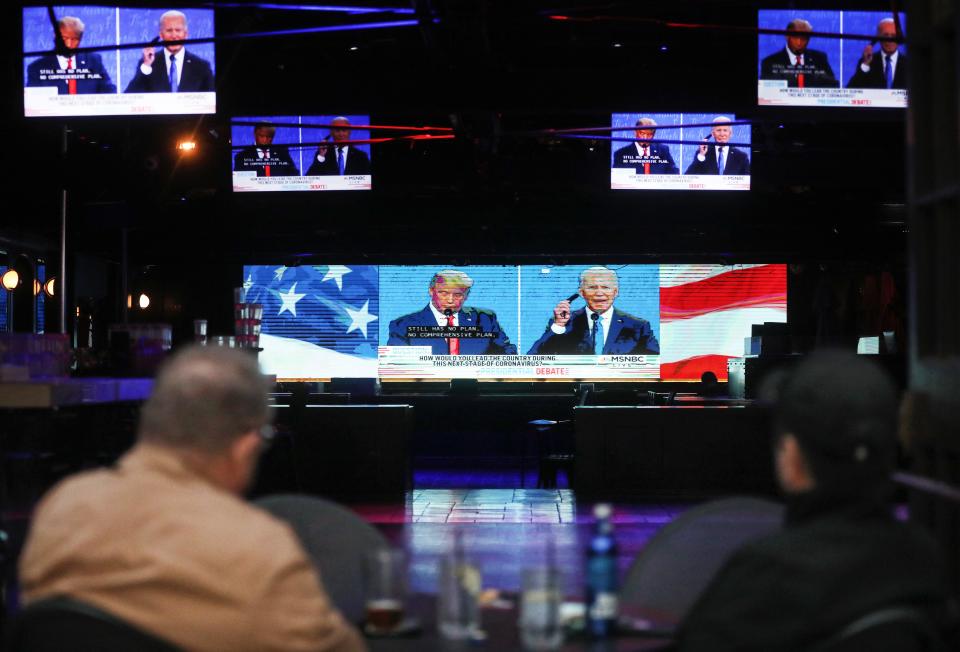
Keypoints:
pixel 72 72
pixel 448 292
pixel 340 158
pixel 720 158
pixel 599 328
pixel 171 68
pixel 797 65
pixel 643 155
pixel 263 158
pixel 884 69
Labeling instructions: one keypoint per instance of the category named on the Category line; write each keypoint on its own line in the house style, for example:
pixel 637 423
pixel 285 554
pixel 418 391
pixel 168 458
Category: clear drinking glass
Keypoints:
pixel 385 588
pixel 540 599
pixel 458 608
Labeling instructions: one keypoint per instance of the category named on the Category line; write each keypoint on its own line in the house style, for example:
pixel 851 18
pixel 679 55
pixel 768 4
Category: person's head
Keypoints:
pixel 449 288
pixel 340 129
pixel 263 133
pixel 599 287
pixel 71 32
pixel 646 129
pixel 887 28
pixel 173 27
pixel 721 129
pixel 835 420
pixel 709 383
pixel 209 406
pixel 798 42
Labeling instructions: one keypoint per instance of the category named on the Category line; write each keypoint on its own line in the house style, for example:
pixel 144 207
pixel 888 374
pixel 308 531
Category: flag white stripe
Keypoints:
pixel 716 333
pixel 674 275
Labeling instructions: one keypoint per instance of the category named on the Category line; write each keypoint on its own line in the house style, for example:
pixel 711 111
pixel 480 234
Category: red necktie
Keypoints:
pixel 71 83
pixel 453 342
pixel 800 75
pixel 266 168
pixel 646 164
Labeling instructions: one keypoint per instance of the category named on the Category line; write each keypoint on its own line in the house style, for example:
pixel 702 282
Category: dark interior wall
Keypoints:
pixel 503 191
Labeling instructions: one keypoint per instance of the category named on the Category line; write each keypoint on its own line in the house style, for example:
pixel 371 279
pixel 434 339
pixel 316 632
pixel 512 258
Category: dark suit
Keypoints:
pixel 737 162
pixel 628 335
pixel 816 69
pixel 196 75
pixel 485 320
pixel 876 77
pixel 659 158
pixel 357 163
pixel 281 165
pixel 90 73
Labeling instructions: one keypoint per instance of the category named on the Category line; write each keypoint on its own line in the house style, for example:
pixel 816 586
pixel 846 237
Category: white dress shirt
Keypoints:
pixel 146 70
pixel 726 153
pixel 442 318
pixel 793 57
pixel 605 319
pixel 883 55
pixel 346 149
pixel 64 62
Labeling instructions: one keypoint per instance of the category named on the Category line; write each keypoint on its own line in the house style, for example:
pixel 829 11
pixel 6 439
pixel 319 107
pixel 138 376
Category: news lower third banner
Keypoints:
pixel 248 181
pixel 407 362
pixel 775 92
pixel 628 179
pixel 43 101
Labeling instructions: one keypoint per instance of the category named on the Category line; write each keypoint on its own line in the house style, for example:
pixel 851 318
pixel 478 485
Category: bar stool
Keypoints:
pixel 544 433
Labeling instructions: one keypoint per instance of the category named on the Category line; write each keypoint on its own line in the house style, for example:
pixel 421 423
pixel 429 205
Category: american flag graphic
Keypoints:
pixel 318 320
pixel 322 321
pixel 706 311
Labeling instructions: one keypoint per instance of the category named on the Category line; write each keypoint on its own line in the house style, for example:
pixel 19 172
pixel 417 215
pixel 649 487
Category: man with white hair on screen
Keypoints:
pixel 598 328
pixel 886 68
pixel 171 68
pixel 720 158
pixel 342 158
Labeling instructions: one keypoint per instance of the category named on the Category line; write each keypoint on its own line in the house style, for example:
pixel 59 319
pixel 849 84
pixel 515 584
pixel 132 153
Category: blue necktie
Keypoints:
pixel 597 334
pixel 340 160
pixel 173 73
pixel 721 161
pixel 889 73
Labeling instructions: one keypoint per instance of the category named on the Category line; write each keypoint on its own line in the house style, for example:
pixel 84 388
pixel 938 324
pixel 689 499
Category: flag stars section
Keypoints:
pixel 336 272
pixel 289 299
pixel 359 318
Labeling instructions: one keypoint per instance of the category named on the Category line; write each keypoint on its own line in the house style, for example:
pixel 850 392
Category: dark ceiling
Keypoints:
pixel 826 184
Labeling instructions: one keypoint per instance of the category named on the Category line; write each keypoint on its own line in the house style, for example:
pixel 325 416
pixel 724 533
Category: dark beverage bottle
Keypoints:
pixel 602 576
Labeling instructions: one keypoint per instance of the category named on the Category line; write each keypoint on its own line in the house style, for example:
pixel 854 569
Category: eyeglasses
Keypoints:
pixel 267 434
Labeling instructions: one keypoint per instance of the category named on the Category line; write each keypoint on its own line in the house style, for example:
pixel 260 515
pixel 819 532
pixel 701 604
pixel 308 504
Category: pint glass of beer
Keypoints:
pixel 385 588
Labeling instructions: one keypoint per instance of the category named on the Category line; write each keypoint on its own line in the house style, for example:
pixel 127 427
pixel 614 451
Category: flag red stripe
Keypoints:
pixel 693 368
pixel 764 286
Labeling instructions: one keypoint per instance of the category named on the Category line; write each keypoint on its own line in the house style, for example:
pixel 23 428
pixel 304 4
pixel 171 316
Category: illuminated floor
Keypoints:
pixel 507 530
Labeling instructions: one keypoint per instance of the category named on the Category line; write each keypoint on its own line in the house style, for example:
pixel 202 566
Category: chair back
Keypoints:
pixel 62 624
pixel 892 629
pixel 676 565
pixel 336 539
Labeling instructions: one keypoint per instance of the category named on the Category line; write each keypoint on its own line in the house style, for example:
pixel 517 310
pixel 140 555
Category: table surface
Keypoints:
pixel 500 626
